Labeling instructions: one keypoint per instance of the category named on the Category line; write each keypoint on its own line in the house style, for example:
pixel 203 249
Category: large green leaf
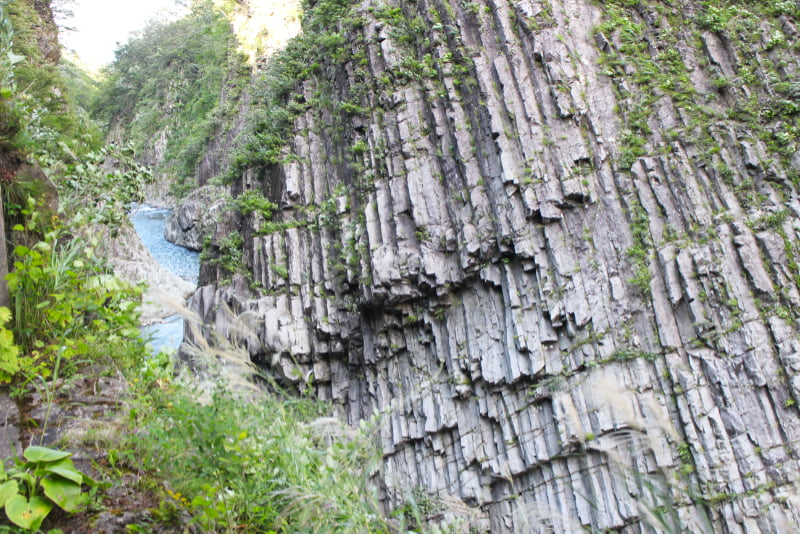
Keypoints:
pixel 8 490
pixel 26 477
pixel 27 514
pixel 63 468
pixel 64 493
pixel 43 454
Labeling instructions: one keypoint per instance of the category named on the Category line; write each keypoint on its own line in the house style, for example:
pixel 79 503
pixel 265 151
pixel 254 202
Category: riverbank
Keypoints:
pixel 133 262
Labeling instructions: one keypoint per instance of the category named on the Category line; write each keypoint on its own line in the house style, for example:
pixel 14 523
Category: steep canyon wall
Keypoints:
pixel 552 245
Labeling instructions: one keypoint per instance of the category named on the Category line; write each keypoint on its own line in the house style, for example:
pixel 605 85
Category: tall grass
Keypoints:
pixel 67 306
pixel 241 460
pixel 258 467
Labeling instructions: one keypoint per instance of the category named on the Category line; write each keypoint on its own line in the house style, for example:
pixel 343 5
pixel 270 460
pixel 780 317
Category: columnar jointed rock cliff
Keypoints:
pixel 553 245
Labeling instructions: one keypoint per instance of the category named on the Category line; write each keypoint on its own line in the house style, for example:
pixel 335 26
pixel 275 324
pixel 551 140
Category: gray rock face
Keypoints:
pixel 10 445
pixel 195 217
pixel 560 271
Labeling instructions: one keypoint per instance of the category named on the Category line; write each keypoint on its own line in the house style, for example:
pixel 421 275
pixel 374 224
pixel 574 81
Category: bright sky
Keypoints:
pixel 102 25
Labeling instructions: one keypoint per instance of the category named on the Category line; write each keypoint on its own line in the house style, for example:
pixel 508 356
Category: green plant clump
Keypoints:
pixel 264 466
pixel 55 125
pixel 98 188
pixel 274 93
pixel 9 352
pixel 273 465
pixel 251 202
pixel 66 305
pixel 45 477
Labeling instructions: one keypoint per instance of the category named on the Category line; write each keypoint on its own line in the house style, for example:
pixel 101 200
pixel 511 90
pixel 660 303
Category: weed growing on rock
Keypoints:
pixel 255 462
pixel 42 478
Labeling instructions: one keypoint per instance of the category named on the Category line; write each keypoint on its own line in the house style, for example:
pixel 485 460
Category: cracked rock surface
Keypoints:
pixel 557 261
pixel 194 218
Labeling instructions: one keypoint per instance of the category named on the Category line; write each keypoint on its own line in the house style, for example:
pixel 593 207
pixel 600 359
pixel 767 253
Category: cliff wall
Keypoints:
pixel 551 246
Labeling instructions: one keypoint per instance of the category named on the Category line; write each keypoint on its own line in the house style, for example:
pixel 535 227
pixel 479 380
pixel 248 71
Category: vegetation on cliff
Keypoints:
pixel 230 464
pixel 59 126
pixel 616 181
pixel 487 211
pixel 171 88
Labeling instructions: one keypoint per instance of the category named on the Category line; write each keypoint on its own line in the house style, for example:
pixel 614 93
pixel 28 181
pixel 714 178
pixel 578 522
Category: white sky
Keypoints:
pixel 102 25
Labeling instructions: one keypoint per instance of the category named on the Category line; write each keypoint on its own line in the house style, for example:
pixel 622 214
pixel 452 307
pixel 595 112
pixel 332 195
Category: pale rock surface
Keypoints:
pixel 195 217
pixel 133 263
pixel 551 337
pixel 10 444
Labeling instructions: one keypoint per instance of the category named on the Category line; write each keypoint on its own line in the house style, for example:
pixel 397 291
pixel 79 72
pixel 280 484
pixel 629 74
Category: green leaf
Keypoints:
pixel 130 332
pixel 15 58
pixel 43 454
pixel 65 493
pixel 65 469
pixel 27 514
pixel 8 490
pixel 25 477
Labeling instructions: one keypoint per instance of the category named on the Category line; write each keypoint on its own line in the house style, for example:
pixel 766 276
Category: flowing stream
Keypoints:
pixel 149 223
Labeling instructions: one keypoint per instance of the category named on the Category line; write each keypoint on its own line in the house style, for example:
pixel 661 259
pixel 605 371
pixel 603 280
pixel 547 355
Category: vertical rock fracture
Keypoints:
pixel 551 246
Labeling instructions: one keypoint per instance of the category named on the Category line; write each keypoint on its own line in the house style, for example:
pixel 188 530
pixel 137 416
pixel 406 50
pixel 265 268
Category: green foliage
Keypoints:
pixel 9 352
pixel 419 504
pixel 233 476
pixel 251 202
pixel 642 248
pixel 176 70
pixel 11 126
pixel 82 86
pixel 632 354
pixel 67 305
pixel 67 308
pixel 277 101
pixel 648 55
pixel 219 463
pixel 229 252
pixel 99 187
pixel 321 15
pixel 43 478
pixel 54 123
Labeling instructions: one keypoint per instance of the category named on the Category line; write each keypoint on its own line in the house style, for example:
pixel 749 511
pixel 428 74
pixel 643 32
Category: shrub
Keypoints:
pixel 66 304
pixel 9 352
pixel 259 466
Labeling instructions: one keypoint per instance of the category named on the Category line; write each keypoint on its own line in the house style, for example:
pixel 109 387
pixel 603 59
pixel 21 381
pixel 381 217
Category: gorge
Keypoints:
pixel 551 244
pixel 548 248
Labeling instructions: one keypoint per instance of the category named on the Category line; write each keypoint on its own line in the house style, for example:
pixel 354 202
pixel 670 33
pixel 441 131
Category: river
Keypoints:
pixel 149 222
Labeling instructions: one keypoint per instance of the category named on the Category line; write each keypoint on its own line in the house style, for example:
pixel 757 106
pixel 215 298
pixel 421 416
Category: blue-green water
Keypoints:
pixel 149 223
